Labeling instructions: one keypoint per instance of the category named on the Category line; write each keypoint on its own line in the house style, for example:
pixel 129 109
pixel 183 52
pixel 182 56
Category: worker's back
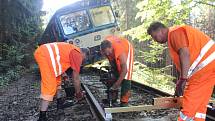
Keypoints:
pixel 57 55
pixel 120 46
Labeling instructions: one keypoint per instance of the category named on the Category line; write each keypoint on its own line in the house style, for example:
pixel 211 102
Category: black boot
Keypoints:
pixel 63 103
pixel 42 116
pixel 60 103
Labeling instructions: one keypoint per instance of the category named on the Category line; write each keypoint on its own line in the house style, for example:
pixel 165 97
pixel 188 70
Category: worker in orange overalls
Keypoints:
pixel 119 52
pixel 193 53
pixel 53 60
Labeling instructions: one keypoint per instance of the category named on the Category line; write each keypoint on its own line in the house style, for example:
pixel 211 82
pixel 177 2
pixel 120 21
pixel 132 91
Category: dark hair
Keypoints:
pixel 86 51
pixel 155 26
pixel 105 44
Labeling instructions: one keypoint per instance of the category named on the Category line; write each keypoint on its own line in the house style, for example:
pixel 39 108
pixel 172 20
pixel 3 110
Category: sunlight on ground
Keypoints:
pixel 51 6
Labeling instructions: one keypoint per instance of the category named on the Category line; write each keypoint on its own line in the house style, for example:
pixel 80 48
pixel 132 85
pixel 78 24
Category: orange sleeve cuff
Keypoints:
pixel 179 39
pixel 75 60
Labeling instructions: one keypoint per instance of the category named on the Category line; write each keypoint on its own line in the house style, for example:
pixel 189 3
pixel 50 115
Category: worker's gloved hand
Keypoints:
pixel 65 78
pixel 79 96
pixel 180 85
pixel 110 82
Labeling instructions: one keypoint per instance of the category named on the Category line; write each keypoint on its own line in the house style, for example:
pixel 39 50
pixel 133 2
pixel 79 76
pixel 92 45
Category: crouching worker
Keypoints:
pixel 119 52
pixel 53 60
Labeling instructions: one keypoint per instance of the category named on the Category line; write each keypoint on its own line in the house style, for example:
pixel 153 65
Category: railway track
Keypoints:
pixel 142 95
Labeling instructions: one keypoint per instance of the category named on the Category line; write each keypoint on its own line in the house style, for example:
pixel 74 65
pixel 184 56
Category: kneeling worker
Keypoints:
pixel 53 60
pixel 119 52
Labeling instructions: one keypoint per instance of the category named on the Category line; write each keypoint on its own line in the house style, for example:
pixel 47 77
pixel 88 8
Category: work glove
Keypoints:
pixel 65 78
pixel 109 83
pixel 79 96
pixel 180 85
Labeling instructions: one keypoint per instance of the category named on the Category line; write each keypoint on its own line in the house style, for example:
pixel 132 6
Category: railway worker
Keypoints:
pixel 193 53
pixel 119 52
pixel 53 60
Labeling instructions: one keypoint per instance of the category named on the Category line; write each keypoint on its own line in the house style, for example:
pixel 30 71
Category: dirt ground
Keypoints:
pixel 20 100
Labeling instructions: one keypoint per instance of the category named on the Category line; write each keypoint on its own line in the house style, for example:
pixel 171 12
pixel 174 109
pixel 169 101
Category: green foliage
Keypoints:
pixel 154 52
pixel 13 64
pixel 164 11
pixel 14 55
pixel 20 26
pixel 11 74
pixel 155 77
pixel 169 13
pixel 151 54
pixel 127 13
pixel 204 19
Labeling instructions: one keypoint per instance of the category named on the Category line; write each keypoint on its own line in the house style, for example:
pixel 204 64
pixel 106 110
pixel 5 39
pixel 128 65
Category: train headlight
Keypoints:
pixel 70 42
pixel 118 29
pixel 77 41
pixel 97 37
pixel 113 30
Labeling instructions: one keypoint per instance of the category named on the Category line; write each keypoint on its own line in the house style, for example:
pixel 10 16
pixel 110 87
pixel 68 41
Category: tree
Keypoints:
pixel 20 24
pixel 155 58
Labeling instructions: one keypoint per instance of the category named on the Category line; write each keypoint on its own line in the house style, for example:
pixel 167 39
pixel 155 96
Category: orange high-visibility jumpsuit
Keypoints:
pixel 200 85
pixel 53 60
pixel 122 45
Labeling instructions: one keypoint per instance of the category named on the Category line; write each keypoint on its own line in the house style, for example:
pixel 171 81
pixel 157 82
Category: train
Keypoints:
pixel 85 24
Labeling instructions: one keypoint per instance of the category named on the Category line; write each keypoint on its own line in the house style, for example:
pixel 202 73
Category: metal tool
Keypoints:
pixel 107 77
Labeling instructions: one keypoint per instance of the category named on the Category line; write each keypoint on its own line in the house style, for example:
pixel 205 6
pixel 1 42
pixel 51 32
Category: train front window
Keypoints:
pixel 102 16
pixel 75 22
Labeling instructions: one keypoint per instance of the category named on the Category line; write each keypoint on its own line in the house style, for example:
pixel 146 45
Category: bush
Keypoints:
pixel 154 77
pixel 11 75
pixel 12 63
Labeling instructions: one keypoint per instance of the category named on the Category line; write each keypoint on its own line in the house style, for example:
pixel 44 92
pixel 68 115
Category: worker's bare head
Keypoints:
pixel 106 48
pixel 158 31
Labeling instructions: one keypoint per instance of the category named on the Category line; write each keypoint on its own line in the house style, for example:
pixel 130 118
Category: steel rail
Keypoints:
pixel 107 116
pixel 98 109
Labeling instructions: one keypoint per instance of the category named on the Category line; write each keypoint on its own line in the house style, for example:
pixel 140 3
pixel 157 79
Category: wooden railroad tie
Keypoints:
pixel 159 103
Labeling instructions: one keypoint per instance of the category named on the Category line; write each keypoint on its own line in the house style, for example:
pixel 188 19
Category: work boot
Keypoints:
pixel 60 102
pixel 42 116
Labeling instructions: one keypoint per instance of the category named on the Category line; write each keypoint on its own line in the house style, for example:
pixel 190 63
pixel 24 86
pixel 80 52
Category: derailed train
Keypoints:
pixel 85 24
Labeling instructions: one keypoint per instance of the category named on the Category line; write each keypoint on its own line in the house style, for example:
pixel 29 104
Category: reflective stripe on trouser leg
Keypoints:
pixel 183 117
pixel 125 91
pixel 200 115
pixel 197 94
